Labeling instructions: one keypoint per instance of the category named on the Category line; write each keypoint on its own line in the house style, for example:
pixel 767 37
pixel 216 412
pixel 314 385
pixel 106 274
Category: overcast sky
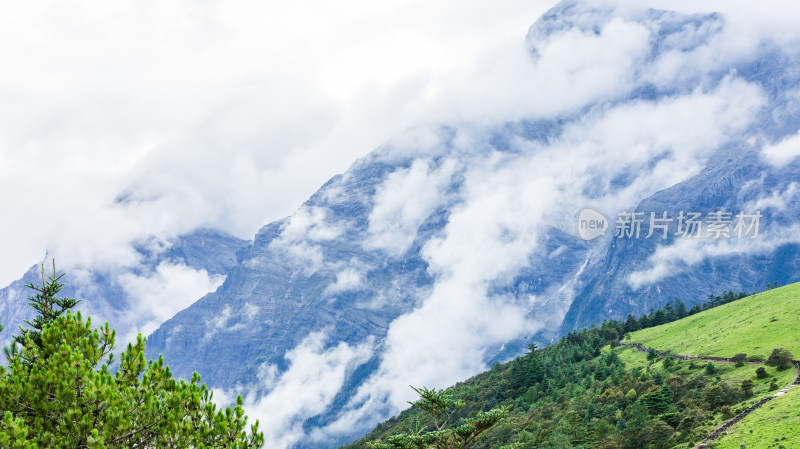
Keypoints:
pixel 215 113
pixel 229 114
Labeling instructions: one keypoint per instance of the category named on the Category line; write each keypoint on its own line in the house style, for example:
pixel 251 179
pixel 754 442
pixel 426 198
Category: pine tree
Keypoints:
pixel 658 402
pixel 58 392
pixel 660 317
pixel 631 324
pixel 518 373
pixel 441 407
pixel 535 372
pixel 671 313
pixel 680 308
pixel 48 308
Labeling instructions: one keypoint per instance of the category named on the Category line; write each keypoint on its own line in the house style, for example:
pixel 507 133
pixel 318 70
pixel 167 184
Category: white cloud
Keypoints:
pixel 300 235
pixel 669 260
pixel 776 200
pixel 403 201
pixel 156 297
pixel 346 280
pixel 308 223
pixel 315 375
pixel 250 311
pixel 783 152
pixel 222 114
pixel 228 114
pixel 244 319
pixel 681 256
pixel 506 201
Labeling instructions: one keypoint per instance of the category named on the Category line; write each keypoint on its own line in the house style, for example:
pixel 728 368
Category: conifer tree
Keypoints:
pixel 535 372
pixel 48 308
pixel 58 392
pixel 441 408
pixel 680 308
pixel 632 324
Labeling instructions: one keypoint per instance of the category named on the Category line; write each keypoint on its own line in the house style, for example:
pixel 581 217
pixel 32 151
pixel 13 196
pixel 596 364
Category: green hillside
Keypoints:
pixel 585 392
pixel 753 325
pixel 777 423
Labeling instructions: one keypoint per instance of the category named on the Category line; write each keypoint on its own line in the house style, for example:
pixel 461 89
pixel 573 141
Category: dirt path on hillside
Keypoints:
pixel 727 424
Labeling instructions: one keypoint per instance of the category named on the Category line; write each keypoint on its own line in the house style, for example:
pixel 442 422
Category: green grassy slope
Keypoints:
pixel 591 395
pixel 753 325
pixel 776 424
pixel 728 372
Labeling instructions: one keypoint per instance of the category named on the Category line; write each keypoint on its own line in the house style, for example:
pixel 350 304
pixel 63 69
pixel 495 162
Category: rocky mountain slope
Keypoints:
pixel 451 245
pixel 167 277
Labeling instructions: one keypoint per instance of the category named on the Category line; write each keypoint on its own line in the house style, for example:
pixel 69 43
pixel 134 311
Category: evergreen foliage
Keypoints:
pixel 580 393
pixel 58 392
pixel 587 398
pixel 441 407
pixel 48 308
pixel 780 358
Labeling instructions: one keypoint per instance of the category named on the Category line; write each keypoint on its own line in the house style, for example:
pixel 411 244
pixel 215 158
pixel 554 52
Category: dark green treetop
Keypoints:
pixel 441 407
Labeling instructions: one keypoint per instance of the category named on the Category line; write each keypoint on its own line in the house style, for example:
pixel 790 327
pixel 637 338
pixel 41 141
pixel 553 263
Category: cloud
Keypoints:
pixel 782 152
pixel 315 375
pixel 681 256
pixel 776 200
pixel 403 201
pixel 155 297
pixel 507 200
pixel 668 260
pixel 153 119
pixel 301 233
pixel 218 114
pixel 346 280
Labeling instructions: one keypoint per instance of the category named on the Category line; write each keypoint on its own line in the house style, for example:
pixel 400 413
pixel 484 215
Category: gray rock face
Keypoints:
pixel 734 185
pixel 489 209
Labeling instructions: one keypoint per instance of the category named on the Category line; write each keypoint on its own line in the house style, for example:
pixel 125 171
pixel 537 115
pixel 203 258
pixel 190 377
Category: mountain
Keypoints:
pixel 584 392
pixel 454 245
pixel 738 183
pixel 461 238
pixel 166 277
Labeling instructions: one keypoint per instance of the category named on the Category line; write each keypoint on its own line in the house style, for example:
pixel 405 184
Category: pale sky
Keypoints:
pixel 218 113
pixel 230 114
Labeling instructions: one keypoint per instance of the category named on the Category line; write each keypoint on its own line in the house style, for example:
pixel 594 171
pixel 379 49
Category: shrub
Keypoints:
pixel 747 388
pixel 726 411
pixel 761 373
pixel 720 394
pixel 780 358
pixel 739 359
